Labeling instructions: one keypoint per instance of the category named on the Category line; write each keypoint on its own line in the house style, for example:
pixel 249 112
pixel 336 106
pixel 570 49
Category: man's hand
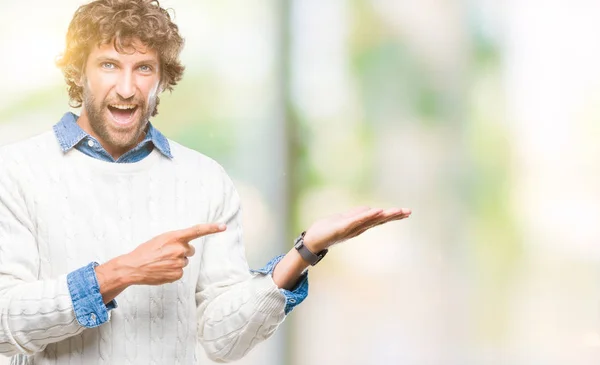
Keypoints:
pixel 162 259
pixel 328 231
pixel 158 261
pixel 338 228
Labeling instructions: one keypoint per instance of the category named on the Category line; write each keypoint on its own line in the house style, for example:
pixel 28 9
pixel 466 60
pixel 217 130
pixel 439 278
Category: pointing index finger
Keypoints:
pixel 199 230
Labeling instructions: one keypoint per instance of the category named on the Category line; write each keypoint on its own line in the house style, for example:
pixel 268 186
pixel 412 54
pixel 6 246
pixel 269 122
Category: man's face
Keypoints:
pixel 119 95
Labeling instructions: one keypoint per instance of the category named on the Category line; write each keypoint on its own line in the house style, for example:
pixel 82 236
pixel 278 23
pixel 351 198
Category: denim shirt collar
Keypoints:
pixel 70 135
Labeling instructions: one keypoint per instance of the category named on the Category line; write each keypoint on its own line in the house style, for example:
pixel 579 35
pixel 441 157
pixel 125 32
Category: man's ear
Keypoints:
pixel 79 81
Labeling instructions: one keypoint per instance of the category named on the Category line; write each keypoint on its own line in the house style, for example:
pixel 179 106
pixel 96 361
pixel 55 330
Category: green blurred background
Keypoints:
pixel 482 116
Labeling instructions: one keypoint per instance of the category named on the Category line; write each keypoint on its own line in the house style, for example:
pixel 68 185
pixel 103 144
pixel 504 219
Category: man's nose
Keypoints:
pixel 125 86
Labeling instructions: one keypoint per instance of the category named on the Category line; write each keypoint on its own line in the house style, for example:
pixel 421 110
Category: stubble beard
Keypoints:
pixel 120 138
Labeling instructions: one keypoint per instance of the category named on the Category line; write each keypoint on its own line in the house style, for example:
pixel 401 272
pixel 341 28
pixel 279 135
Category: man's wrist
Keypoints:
pixel 311 256
pixel 312 244
pixel 114 276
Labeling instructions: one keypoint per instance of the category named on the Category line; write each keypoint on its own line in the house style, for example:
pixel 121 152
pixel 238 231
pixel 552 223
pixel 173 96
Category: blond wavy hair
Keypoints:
pixel 121 22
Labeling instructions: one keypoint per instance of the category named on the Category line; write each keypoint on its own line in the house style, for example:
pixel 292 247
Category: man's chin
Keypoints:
pixel 122 137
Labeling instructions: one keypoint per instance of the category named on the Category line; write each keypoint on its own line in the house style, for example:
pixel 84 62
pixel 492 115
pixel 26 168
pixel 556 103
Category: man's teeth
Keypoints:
pixel 123 106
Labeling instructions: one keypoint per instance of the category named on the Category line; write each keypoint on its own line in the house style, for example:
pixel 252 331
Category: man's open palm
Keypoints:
pixel 340 227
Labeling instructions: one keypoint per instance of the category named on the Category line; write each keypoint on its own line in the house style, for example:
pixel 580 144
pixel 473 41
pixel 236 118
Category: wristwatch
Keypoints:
pixel 306 254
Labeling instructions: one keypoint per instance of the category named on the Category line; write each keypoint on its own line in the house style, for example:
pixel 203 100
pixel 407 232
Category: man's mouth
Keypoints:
pixel 123 113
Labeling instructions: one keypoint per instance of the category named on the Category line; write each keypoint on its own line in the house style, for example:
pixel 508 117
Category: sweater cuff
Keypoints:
pixel 88 304
pixel 292 297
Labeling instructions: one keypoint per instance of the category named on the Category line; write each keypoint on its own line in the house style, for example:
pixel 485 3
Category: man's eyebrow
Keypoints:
pixel 107 59
pixel 149 61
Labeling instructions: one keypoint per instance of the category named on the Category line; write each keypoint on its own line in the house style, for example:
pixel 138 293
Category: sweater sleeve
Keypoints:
pixel 33 313
pixel 236 308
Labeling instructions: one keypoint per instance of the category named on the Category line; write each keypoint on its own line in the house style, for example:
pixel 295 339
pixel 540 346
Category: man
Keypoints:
pixel 105 187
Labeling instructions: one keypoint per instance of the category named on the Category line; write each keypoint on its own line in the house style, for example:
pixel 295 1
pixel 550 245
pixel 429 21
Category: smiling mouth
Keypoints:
pixel 122 113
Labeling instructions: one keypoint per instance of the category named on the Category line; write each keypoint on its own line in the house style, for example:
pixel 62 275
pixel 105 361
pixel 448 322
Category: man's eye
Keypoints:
pixel 108 65
pixel 145 68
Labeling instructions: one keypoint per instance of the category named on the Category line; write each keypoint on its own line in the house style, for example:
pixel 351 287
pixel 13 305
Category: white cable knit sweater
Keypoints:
pixel 59 212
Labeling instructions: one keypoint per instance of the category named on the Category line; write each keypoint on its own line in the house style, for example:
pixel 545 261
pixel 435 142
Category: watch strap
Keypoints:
pixel 307 254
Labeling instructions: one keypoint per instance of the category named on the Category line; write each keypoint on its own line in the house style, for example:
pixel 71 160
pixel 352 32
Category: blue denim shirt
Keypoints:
pixel 88 305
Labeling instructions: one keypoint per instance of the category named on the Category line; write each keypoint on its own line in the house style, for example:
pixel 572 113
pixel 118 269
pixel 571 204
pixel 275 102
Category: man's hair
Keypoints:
pixel 120 22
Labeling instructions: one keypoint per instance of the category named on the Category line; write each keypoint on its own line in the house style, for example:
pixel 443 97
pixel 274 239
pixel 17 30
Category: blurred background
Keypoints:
pixel 482 116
